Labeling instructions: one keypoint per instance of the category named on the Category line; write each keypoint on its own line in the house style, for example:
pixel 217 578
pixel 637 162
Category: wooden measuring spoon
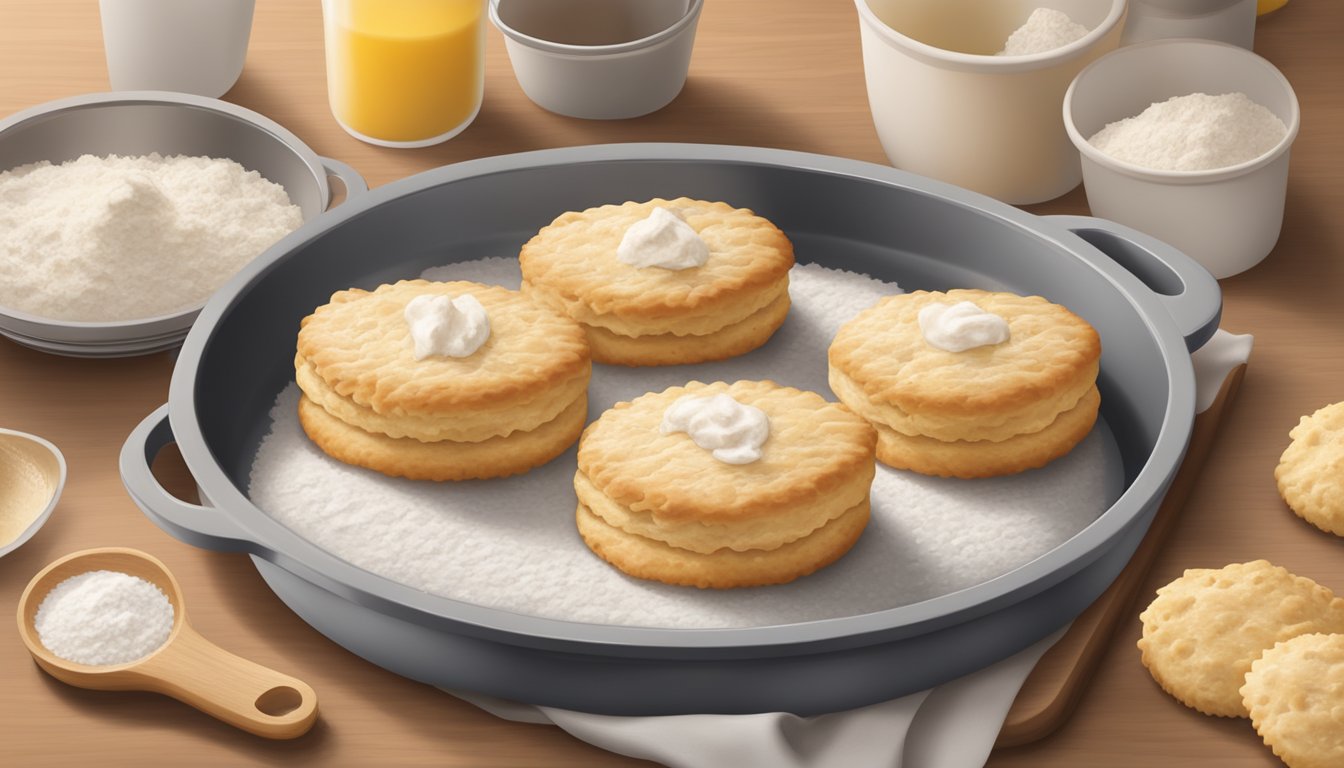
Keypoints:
pixel 186 667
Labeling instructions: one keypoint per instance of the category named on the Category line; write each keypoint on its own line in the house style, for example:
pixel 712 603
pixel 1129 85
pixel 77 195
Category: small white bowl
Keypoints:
pixel 599 59
pixel 32 474
pixel 1227 219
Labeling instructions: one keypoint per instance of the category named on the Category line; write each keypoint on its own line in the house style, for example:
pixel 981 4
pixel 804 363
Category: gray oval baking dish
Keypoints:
pixel 841 213
pixel 138 123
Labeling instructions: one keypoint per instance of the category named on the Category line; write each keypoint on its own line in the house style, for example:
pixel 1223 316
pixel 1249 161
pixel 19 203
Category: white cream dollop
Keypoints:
pixel 961 326
pixel 663 239
pixel 731 431
pixel 444 325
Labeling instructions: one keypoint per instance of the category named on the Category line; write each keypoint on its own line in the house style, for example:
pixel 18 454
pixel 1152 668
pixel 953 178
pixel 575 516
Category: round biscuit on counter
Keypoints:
pixel 658 506
pixel 1295 696
pixel 650 315
pixel 1203 630
pixel 1310 474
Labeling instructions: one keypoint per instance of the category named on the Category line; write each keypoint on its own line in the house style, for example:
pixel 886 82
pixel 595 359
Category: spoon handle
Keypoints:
pixel 242 693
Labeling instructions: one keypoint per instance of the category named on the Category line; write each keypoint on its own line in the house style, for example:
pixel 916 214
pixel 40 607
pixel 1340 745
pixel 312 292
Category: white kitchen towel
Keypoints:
pixel 951 726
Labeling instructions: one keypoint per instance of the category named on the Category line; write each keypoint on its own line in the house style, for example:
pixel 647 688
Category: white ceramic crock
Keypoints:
pixel 634 62
pixel 988 123
pixel 188 46
pixel 1230 21
pixel 1227 219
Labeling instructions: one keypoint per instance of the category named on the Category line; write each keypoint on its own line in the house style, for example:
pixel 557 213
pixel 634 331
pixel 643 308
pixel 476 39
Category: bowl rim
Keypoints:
pixel 31 530
pixel 311 563
pixel 688 19
pixel 990 63
pixel 1293 124
pixel 179 320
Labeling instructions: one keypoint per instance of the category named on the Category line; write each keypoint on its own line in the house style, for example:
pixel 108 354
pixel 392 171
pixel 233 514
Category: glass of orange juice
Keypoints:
pixel 405 73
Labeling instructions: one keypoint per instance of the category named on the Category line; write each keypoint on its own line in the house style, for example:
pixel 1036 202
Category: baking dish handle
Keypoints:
pixel 354 183
pixel 1187 290
pixel 200 526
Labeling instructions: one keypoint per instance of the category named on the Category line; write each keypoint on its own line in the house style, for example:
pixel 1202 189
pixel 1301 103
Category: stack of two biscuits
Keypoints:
pixel 991 410
pixel 640 315
pixel 516 402
pixel 658 506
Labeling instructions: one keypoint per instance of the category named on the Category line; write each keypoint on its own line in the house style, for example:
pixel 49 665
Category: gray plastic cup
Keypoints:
pixel 1231 21
pixel 1227 219
pixel 599 59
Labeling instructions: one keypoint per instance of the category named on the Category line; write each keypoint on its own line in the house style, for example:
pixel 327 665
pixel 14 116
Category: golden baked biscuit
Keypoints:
pixel 984 411
pixel 1204 629
pixel 514 403
pixel 1295 696
pixel 729 305
pixel 685 517
pixel 1310 473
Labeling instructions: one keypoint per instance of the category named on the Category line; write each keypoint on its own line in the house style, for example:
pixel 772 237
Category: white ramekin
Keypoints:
pixel 601 82
pixel 1227 219
pixel 988 123
pixel 1231 21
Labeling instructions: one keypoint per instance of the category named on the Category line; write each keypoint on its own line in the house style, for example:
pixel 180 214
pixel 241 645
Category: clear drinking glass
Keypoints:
pixel 405 73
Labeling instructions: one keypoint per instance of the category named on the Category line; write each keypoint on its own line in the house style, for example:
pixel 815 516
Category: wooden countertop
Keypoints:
pixel 775 73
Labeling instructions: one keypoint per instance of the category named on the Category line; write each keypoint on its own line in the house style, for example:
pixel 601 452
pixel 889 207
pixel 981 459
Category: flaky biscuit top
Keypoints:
pixel 1049 361
pixel 573 262
pixel 817 451
pixel 359 344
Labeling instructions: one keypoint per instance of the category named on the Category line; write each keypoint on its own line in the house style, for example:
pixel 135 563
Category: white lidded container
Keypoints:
pixel 988 123
pixel 599 59
pixel 1227 219
pixel 1230 21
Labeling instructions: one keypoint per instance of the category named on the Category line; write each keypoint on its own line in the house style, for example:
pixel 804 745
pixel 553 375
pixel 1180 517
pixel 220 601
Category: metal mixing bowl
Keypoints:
pixel 139 123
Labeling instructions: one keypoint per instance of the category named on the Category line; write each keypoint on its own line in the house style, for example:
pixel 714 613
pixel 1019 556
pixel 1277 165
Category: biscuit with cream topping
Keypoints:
pixel 994 406
pixel 356 362
pixel 637 313
pixel 658 505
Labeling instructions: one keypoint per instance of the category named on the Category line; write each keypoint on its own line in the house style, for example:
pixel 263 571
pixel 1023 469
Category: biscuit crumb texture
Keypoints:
pixel 1295 696
pixel 1203 631
pixel 1310 473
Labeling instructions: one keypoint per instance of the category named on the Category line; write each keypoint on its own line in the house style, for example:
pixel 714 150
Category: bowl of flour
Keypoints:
pixel 122 213
pixel 968 91
pixel 1187 140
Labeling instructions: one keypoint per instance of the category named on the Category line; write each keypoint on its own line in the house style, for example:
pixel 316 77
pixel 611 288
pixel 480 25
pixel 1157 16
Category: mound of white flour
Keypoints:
pixel 1197 132
pixel 512 543
pixel 122 238
pixel 104 617
pixel 1045 30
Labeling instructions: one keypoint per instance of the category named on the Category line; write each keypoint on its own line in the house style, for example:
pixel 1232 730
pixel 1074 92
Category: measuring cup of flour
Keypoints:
pixel 1228 219
pixel 190 46
pixel 945 105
